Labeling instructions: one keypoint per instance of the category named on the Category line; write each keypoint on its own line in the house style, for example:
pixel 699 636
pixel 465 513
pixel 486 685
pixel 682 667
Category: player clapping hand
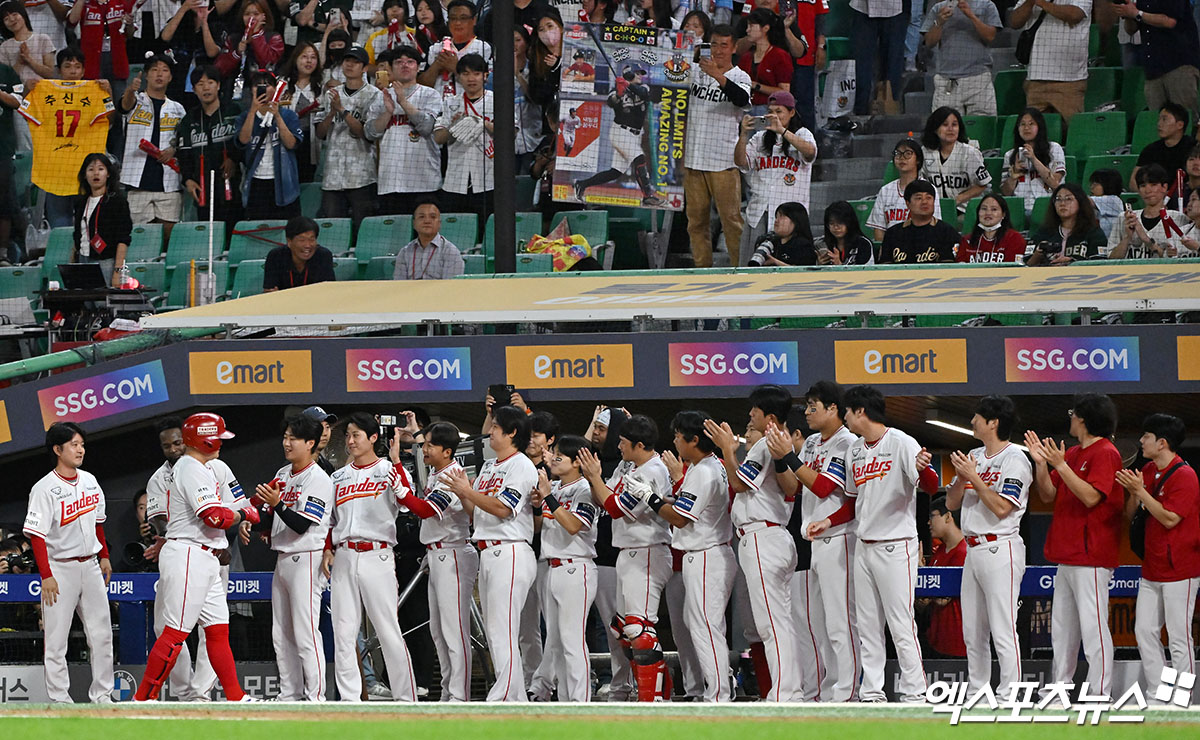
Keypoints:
pixel 269 493
pixel 779 442
pixel 1131 481
pixel 540 491
pixel 458 482
pixel 589 465
pixel 674 466
pixel 923 459
pixel 964 465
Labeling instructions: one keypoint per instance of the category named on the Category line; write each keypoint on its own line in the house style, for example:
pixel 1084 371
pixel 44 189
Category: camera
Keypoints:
pixel 21 560
pixel 763 248
pixel 134 554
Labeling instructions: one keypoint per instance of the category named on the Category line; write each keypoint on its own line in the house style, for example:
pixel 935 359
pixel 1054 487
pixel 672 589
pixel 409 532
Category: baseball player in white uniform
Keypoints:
pixel 65 526
pixel 820 467
pixel 567 127
pixel 992 487
pixel 885 468
pixel 300 498
pixel 700 516
pixel 569 546
pixel 766 552
pixel 452 559
pixel 191 558
pixel 500 502
pixel 644 565
pixel 368 494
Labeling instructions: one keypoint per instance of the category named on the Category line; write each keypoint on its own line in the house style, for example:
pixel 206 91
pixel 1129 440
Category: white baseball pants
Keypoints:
pixel 768 560
pixel 295 626
pixel 452 572
pixel 1173 604
pixel 80 589
pixel 991 590
pixel 1079 612
pixel 831 604
pixel 506 571
pixel 885 576
pixel 689 662
pixel 571 588
pixel 707 582
pixel 367 581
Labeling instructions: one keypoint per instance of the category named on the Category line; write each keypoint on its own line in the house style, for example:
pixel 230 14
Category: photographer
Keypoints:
pixel 790 243
pixel 15 557
pixel 133 557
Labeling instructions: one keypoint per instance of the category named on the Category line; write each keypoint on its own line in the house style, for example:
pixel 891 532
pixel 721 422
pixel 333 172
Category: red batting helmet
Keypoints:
pixel 204 432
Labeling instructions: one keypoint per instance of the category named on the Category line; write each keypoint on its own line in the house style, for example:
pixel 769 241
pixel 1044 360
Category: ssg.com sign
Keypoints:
pixel 105 394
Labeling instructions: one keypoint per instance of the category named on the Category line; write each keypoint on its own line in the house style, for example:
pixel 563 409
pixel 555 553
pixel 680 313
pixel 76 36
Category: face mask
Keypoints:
pixel 989 230
pixel 550 37
pixel 335 55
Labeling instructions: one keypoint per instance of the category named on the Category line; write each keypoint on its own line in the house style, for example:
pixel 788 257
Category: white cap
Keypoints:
pixel 604 417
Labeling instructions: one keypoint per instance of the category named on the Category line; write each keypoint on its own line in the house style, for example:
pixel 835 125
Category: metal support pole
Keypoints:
pixel 505 194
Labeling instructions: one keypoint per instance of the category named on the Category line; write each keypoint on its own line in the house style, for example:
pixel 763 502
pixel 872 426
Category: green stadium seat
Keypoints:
pixel 528 224
pixel 535 263
pixel 248 280
pixel 150 275
pixel 474 264
pixel 950 212
pixel 983 130
pixel 526 186
pixel 644 216
pixel 1007 125
pixel 189 241
pixel 862 209
pixel 1091 134
pixel 838 47
pixel 257 238
pixel 889 172
pixel 178 295
pixel 335 234
pixel 1072 168
pixel 995 166
pixel 1145 130
pixel 145 243
pixel 1010 91
pixel 20 282
pixel 1133 91
pixel 461 229
pixel 1123 163
pixel 379 236
pixel 345 268
pixel 1103 87
pixel 1093 41
pixel 380 268
pixel 591 225
pixel 1041 207
pixel 58 251
pixel 310 199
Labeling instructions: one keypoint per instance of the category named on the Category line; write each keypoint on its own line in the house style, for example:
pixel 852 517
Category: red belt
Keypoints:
pixel 742 531
pixel 559 562
pixel 877 542
pixel 83 559
pixel 206 548
pixel 485 544
pixel 444 545
pixel 364 546
pixel 973 541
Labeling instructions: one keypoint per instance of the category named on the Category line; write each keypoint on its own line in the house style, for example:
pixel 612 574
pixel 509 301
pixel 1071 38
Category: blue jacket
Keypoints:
pixel 287 176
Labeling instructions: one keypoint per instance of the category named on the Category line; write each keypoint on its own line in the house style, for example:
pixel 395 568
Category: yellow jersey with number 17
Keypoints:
pixel 69 120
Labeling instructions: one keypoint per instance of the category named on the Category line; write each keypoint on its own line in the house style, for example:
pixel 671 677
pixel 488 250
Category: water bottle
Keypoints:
pixel 124 274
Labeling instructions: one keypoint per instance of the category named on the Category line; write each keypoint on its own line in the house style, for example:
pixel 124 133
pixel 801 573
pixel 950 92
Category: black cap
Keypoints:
pixel 357 52
pixel 316 413
pixel 919 186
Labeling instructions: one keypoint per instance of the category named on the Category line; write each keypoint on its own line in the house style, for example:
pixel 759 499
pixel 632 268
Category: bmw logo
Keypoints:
pixel 124 686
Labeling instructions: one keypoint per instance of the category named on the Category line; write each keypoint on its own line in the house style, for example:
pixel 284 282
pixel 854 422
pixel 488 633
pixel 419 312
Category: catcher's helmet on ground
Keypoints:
pixel 204 432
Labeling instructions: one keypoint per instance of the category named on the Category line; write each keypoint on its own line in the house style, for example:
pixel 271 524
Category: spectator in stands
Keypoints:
pixel 152 117
pixel 431 24
pixel 922 238
pixel 961 31
pixel 525 13
pixel 529 116
pixel 790 242
pixel 877 33
pixel 1191 182
pixel 301 262
pixel 333 47
pixel 268 135
pixel 1173 146
pixel 313 17
pixel 465 127
pixel 430 256
pixel 442 63
pixel 30 54
pixel 1154 232
pixel 348 187
pixel 545 59
pixel 1035 165
pixel 719 92
pixel 1170 49
pixel 102 39
pixel 954 167
pixel 778 165
pixel 207 144
pixel 945 635
pixel 303 97
pixel 1071 231
pixel 768 62
pixel 1105 187
pixel 993 239
pixel 184 34
pixel 844 239
pixel 890 207
pixel 652 14
pixel 1191 230
pixel 1057 74
pixel 59 207
pixel 1168 492
pixel 395 32
pixel 50 18
pixel 409 160
pixel 597 11
pixel 698 26
pixel 102 222
pixel 804 30
pixel 243 48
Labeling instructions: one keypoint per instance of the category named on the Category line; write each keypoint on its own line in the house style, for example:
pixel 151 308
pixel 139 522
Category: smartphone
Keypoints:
pixel 260 91
pixel 760 123
pixel 786 7
pixel 388 420
pixel 448 46
pixel 500 393
pixel 704 51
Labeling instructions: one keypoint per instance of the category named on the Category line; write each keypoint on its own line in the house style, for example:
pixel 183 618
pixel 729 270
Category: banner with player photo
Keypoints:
pixel 623 106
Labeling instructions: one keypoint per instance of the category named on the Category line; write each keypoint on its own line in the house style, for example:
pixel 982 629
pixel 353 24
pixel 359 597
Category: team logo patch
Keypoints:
pixel 993 549
pixel 890 548
pixel 438 499
pixel 749 470
pixel 413 136
pixel 441 558
pixel 570 571
pixel 295 558
pixel 1012 488
pixel 676 69
pixel 685 502
pixel 510 498
pixel 789 179
pixel 384 556
pixel 495 553
pixel 690 558
pixel 631 554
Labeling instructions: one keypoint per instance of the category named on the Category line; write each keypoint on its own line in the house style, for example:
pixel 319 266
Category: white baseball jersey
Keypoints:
pixel 704 499
pixel 828 457
pixel 349 159
pixel 310 494
pixel 367 501
pixel 470 162
pixel 639 526
pixel 445 84
pixel 883 477
pixel 65 513
pixel 511 480
pixel 776 178
pixel 410 161
pixel 139 124
pixel 1139 250
pixel 890 207
pixel 713 121
pixel 1009 474
pixel 765 501
pixel 452 523
pixel 198 487
pixel 156 491
pixel 568 125
pixel 576 498
pixel 962 169
pixel 1031 186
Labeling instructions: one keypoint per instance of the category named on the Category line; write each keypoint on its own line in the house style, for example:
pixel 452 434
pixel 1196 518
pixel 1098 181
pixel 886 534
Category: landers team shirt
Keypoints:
pixel 367 500
pixel 883 477
pixel 890 207
pixel 452 523
pixel 411 160
pixel 704 500
pixel 776 177
pixel 827 457
pixel 511 480
pixel 195 488
pixel 65 513
pixel 309 493
pixel 576 498
pixel 639 526
pixel 764 502
pixel 713 121
pixel 962 169
pixel 1008 473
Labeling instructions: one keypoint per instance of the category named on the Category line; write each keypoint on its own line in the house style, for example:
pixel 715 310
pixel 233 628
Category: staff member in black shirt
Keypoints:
pixel 103 226
pixel 921 238
pixel 301 262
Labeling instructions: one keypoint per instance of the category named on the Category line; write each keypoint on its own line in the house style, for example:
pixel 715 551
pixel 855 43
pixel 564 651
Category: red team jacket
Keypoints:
pixel 1173 554
pixel 1079 535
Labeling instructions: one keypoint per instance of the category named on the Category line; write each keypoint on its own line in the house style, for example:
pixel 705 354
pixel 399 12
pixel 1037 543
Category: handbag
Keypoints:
pixel 1025 41
pixel 1137 525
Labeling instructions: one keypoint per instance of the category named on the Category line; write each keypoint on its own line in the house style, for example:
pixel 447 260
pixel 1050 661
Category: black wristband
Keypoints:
pixel 792 461
pixel 781 465
pixel 656 502
pixel 551 502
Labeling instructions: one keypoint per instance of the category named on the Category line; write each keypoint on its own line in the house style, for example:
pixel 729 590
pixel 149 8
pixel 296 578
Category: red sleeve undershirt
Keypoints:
pixel 842 515
pixel 928 480
pixel 329 539
pixel 823 485
pixel 419 506
pixel 610 505
pixel 41 556
pixel 218 517
pixel 103 544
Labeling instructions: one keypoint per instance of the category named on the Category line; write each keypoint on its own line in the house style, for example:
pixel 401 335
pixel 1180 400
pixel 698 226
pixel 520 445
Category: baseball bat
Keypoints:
pixel 594 32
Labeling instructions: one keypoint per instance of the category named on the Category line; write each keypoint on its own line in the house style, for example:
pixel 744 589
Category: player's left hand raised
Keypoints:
pixel 779 444
pixel 923 459
pixel 457 481
pixel 722 436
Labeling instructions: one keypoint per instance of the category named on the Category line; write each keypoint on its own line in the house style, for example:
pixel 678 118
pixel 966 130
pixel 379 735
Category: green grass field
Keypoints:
pixel 544 722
